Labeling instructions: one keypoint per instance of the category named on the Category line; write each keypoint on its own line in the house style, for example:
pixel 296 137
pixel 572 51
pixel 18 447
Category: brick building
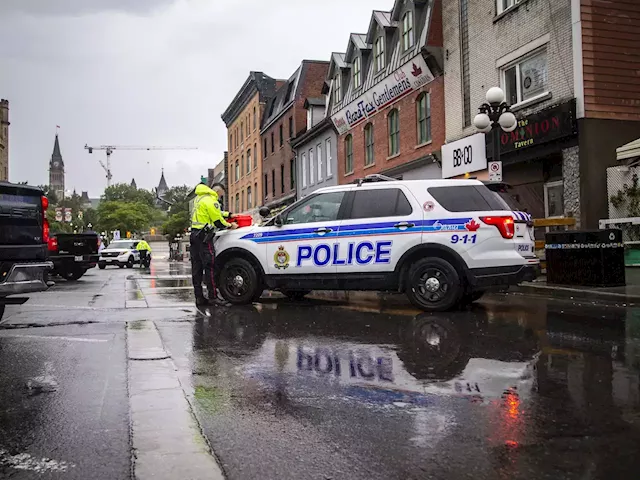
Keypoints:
pixel 4 140
pixel 567 69
pixel 387 95
pixel 243 118
pixel 285 119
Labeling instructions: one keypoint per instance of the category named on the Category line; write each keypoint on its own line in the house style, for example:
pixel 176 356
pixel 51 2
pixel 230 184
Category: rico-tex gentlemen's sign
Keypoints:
pixel 410 77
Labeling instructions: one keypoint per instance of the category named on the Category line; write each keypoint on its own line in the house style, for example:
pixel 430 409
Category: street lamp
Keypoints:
pixel 495 115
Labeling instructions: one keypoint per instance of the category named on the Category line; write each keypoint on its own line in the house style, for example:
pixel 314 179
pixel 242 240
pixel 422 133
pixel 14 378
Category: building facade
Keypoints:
pixel 243 119
pixel 315 150
pixel 4 140
pixel 285 119
pixel 56 171
pixel 560 79
pixel 386 95
pixel 218 175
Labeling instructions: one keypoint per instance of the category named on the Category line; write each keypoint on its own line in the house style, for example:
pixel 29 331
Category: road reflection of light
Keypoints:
pixel 512 401
pixel 152 270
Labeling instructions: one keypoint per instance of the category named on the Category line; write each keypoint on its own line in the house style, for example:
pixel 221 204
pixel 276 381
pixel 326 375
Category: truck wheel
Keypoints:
pixel 130 262
pixel 239 282
pixel 102 265
pixel 73 275
pixel 296 294
pixel 433 285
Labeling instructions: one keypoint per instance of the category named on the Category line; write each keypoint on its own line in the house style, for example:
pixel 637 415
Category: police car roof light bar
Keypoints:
pixel 374 178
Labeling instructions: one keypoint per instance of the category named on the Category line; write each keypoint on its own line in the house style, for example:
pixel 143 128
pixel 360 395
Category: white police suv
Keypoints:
pixel 442 242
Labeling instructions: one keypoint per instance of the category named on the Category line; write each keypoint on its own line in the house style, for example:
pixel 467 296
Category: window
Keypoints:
pixel 328 150
pixel 230 141
pixel 505 4
pixel 379 54
pixel 467 198
pixel 248 161
pixel 394 133
pixel 317 208
pixel 303 159
pixel 255 119
pixel 337 88
pixel 311 167
pixel 249 199
pixel 241 165
pixel 242 131
pixel 526 79
pixel 348 154
pixel 423 111
pixel 369 158
pixel 289 92
pixel 237 137
pixel 282 178
pixel 387 202
pixel 292 170
pixel 255 192
pixel 309 117
pixel 273 142
pixel 266 185
pixel 255 156
pixel 319 158
pixel 407 31
pixel 264 149
pixel 273 183
pixel 237 202
pixel 357 67
pixel 248 131
pixel 290 127
pixel 242 201
pixel 281 135
pixel 237 170
pixel 554 199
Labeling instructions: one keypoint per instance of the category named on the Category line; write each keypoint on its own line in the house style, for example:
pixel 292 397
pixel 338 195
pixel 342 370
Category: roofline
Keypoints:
pixel 320 127
pixel 240 100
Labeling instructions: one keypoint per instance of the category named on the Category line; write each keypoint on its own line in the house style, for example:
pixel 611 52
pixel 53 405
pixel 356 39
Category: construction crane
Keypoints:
pixel 110 148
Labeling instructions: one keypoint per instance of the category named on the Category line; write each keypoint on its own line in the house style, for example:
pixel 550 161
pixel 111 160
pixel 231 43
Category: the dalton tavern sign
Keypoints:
pixel 410 77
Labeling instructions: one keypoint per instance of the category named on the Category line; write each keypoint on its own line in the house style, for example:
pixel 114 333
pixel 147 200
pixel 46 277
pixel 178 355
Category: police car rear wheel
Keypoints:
pixel 238 281
pixel 433 285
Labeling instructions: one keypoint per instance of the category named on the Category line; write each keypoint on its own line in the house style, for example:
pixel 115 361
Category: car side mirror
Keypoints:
pixel 264 212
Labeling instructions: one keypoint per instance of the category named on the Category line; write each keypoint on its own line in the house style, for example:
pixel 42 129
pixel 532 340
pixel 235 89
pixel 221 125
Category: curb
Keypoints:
pixel 574 293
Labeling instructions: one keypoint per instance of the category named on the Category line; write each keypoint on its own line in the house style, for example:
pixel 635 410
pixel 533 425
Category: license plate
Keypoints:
pixel 79 258
pixel 524 248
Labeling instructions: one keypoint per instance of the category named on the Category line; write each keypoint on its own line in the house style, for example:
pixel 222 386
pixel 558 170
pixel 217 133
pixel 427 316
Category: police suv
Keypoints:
pixel 441 242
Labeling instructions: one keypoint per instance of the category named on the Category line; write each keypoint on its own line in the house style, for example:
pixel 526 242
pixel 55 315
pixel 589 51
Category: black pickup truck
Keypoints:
pixel 24 234
pixel 73 254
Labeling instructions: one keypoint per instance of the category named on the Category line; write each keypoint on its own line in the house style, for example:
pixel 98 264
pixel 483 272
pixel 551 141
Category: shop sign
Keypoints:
pixel 539 128
pixel 410 77
pixel 464 156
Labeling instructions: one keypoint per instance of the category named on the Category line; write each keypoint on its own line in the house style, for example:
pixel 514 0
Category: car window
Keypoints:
pixel 121 245
pixel 467 198
pixel 388 202
pixel 323 207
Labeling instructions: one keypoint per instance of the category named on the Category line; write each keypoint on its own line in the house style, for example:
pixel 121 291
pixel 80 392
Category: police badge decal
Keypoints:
pixel 282 258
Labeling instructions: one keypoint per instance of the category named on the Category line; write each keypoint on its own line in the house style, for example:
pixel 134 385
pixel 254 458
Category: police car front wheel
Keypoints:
pixel 239 282
pixel 433 285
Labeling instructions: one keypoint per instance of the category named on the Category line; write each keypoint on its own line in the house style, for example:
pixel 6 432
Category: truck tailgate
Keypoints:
pixel 77 244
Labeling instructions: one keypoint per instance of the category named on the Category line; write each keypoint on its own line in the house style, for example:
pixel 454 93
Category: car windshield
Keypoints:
pixel 122 245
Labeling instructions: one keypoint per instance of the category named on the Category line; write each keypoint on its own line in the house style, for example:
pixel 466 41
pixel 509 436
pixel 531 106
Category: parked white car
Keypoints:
pixel 122 253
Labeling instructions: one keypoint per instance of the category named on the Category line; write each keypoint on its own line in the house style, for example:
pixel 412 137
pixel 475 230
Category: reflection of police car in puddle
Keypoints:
pixel 439 241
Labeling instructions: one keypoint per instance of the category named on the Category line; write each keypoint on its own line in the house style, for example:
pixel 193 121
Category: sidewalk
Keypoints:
pixel 628 294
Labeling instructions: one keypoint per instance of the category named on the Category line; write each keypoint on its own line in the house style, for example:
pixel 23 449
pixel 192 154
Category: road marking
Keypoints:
pixel 24 461
pixel 67 339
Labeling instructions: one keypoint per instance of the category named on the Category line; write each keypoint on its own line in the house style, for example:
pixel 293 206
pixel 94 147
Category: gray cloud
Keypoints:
pixel 80 7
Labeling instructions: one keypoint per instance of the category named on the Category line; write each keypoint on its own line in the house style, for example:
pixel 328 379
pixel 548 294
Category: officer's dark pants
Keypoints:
pixel 202 258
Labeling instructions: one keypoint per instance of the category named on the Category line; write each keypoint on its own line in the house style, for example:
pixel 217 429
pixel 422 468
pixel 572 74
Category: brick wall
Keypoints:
pixel 491 38
pixel 409 150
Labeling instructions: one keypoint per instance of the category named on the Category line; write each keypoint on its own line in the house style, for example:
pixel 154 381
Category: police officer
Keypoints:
pixel 206 213
pixel 145 249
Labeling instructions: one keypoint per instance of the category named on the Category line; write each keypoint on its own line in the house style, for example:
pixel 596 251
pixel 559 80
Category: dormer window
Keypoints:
pixel 357 69
pixel 379 54
pixel 407 31
pixel 337 88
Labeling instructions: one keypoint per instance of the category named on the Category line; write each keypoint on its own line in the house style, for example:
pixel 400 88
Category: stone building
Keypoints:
pixel 4 140
pixel 285 119
pixel 560 78
pixel 243 119
pixel 386 95
pixel 56 171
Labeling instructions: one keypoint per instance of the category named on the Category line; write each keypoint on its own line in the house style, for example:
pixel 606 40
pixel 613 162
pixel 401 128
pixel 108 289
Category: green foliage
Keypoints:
pixel 178 220
pixel 629 199
pixel 123 192
pixel 176 224
pixel 124 216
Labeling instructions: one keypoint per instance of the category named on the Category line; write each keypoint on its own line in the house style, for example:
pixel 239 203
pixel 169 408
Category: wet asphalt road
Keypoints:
pixel 514 387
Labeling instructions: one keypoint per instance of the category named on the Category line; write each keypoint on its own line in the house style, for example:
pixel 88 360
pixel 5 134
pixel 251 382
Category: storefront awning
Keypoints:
pixel 629 151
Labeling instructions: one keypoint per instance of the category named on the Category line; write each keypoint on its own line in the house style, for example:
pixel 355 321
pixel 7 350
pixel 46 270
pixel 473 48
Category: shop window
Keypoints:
pixel 348 157
pixel 357 67
pixel 554 199
pixel 379 54
pixel 423 107
pixel 369 158
pixel 527 79
pixel 407 31
pixel 394 133
pixel 503 5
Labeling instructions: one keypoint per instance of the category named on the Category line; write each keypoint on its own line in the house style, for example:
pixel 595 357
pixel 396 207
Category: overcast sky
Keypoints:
pixel 148 72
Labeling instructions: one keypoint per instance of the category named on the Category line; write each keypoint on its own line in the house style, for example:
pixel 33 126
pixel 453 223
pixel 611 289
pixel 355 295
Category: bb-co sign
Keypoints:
pixel 464 156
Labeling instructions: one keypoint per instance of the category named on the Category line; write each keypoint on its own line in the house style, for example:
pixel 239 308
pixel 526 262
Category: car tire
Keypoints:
pixel 73 275
pixel 130 262
pixel 102 266
pixel 433 285
pixel 296 294
pixel 239 283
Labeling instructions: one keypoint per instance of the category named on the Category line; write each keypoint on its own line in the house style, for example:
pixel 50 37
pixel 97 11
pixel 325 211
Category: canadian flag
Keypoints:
pixel 472 226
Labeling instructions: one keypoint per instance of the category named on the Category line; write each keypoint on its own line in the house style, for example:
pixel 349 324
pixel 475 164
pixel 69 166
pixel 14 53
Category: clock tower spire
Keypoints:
pixel 56 171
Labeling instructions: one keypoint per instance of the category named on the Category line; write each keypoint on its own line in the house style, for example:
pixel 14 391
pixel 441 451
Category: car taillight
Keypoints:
pixel 45 223
pixel 53 244
pixel 504 224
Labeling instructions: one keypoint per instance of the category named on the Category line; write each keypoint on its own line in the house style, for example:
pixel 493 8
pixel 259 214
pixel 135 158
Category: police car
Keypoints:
pixel 441 242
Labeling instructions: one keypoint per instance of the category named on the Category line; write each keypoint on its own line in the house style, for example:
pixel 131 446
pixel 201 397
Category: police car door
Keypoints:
pixel 304 244
pixel 381 223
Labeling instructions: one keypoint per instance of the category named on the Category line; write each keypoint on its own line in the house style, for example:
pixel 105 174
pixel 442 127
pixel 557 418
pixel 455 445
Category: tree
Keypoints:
pixel 123 192
pixel 178 220
pixel 50 194
pixel 176 224
pixel 124 216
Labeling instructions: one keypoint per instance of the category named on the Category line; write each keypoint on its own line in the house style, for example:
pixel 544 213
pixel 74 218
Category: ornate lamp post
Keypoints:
pixel 495 115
